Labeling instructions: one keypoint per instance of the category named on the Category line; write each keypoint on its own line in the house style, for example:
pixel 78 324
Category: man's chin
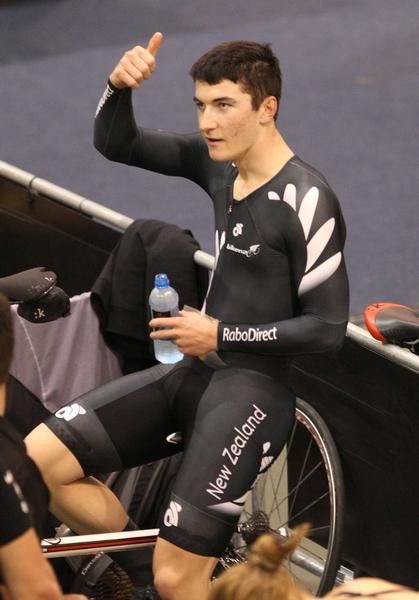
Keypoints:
pixel 218 155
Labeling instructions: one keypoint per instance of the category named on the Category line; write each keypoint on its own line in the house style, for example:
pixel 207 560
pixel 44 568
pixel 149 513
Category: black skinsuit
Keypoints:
pixel 279 289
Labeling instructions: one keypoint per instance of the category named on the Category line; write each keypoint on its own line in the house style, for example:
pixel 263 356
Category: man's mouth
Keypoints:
pixel 213 140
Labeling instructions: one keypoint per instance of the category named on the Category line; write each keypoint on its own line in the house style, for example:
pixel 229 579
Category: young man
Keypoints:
pixel 279 289
pixel 24 573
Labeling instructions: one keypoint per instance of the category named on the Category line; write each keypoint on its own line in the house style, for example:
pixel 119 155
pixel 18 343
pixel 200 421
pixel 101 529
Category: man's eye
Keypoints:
pixel 223 104
pixel 199 105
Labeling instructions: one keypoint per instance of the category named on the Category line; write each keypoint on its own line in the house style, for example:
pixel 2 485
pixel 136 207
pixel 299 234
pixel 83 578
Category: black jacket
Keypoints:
pixel 120 293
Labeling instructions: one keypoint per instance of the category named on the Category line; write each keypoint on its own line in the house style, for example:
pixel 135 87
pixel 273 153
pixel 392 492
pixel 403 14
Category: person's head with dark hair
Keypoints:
pixel 262 576
pixel 237 94
pixel 6 338
pixel 251 65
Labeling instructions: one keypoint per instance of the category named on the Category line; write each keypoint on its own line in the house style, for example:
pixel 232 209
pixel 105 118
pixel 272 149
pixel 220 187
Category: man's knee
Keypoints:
pixel 178 572
pixel 56 462
pixel 168 581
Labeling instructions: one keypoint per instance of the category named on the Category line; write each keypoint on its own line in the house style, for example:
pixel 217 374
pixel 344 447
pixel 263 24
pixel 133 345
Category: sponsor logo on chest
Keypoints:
pixel 247 252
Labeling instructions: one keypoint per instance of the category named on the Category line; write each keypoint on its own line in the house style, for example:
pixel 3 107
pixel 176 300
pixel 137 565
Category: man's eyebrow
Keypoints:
pixel 221 99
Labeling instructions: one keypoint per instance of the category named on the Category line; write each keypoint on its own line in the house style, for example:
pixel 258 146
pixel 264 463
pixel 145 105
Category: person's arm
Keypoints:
pixel 117 135
pixel 27 575
pixel 372 588
pixel 315 241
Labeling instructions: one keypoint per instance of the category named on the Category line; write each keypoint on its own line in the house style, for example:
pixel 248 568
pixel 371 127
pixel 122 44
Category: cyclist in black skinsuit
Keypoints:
pixel 279 289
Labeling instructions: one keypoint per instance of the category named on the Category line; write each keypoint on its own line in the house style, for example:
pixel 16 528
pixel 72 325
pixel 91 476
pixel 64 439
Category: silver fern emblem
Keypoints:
pixel 318 241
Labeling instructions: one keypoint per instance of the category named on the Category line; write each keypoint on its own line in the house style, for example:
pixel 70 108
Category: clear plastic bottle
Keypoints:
pixel 164 302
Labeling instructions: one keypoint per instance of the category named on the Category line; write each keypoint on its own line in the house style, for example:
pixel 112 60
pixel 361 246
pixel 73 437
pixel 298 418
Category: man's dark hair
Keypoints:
pixel 6 338
pixel 250 64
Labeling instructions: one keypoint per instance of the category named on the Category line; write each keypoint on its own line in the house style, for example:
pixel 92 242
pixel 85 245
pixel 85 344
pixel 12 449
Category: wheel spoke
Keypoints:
pixel 294 491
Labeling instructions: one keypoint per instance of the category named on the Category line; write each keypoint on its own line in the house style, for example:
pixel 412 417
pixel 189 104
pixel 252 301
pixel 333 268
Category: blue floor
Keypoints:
pixel 350 107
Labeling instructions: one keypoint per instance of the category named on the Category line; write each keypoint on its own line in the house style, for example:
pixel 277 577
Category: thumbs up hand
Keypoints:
pixel 137 64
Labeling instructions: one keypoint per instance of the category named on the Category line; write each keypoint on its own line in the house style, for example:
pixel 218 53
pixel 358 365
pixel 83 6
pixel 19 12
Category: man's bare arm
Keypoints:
pixel 26 573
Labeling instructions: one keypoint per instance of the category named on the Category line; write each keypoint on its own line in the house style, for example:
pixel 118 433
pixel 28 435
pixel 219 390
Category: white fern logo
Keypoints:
pixel 220 238
pixel 105 96
pixel 266 460
pixel 318 241
pixel 234 507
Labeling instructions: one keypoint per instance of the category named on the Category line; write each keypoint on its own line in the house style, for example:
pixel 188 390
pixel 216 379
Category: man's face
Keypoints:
pixel 227 121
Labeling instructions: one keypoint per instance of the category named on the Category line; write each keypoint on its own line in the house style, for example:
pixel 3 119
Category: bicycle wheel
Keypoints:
pixel 304 484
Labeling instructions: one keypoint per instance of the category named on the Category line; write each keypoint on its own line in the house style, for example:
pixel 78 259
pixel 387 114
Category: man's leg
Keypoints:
pixel 181 575
pixel 116 426
pixel 83 503
pixel 241 425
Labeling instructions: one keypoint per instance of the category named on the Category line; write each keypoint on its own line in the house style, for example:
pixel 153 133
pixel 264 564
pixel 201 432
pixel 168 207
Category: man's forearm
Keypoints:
pixel 301 335
pixel 26 572
pixel 115 130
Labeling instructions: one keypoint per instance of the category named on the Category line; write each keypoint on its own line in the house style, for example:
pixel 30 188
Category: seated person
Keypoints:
pixel 279 289
pixel 263 578
pixel 24 572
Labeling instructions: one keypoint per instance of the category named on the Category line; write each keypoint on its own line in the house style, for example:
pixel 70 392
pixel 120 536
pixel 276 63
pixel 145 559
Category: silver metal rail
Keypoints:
pixel 79 203
pixel 59 194
pixel 395 354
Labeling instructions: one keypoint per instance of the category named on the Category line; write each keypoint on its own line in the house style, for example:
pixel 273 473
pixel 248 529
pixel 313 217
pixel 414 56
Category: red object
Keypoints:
pixel 370 314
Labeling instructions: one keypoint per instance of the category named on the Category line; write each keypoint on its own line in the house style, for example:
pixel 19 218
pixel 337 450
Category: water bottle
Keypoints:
pixel 164 302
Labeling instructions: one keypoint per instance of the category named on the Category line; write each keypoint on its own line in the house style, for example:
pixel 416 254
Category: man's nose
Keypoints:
pixel 207 121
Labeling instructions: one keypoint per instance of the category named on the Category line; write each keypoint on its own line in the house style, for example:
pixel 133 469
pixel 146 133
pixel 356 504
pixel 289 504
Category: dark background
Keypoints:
pixel 350 107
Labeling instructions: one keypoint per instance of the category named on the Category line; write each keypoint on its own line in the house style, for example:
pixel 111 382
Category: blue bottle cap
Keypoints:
pixel 161 280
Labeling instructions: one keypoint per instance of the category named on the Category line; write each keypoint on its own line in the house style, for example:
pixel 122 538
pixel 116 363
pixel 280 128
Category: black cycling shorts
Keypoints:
pixel 234 423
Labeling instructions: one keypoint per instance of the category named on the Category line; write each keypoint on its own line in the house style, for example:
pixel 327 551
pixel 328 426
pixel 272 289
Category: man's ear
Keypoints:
pixel 269 109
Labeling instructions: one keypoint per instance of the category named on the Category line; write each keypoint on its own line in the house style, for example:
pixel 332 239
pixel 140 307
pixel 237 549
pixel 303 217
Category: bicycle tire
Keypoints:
pixel 305 484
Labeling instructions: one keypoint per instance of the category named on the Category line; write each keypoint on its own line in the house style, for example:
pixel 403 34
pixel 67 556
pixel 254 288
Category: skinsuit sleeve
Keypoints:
pixel 118 137
pixel 313 237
